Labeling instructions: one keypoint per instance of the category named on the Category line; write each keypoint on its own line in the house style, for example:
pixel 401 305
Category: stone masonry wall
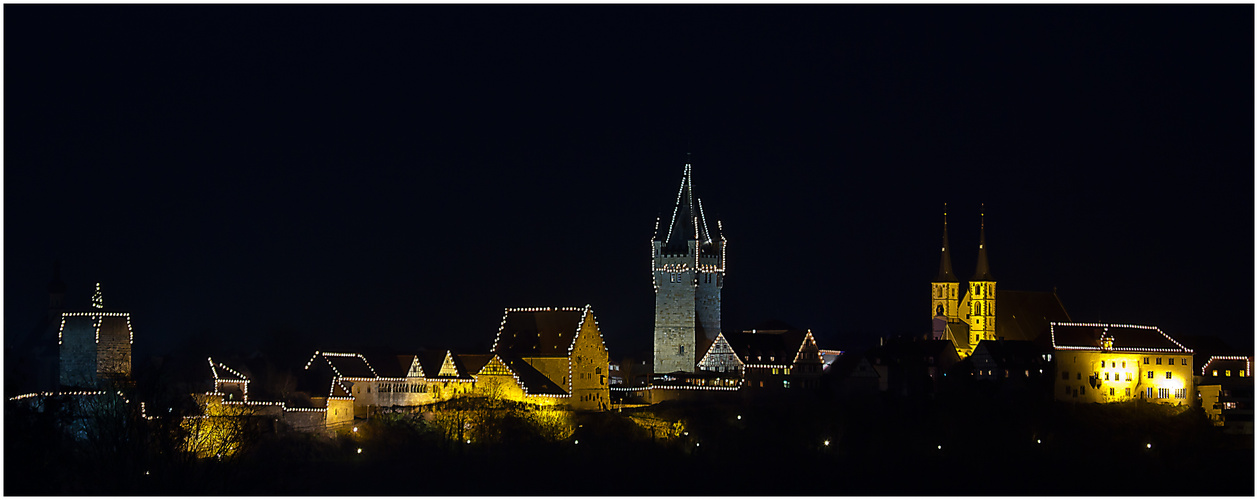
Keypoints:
pixel 675 316
pixel 78 352
pixel 113 350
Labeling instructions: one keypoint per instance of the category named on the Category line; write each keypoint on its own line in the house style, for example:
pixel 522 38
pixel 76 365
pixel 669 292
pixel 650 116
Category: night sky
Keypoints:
pixel 397 175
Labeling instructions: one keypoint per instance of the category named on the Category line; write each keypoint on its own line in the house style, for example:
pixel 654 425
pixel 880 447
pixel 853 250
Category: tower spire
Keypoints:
pixel 945 258
pixel 982 272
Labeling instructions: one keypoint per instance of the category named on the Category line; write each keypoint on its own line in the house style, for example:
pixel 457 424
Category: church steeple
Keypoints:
pixel 945 258
pixel 981 272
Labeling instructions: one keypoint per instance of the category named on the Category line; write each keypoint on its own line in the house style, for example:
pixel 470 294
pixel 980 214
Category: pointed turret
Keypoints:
pixel 688 222
pixel 945 258
pixel 982 272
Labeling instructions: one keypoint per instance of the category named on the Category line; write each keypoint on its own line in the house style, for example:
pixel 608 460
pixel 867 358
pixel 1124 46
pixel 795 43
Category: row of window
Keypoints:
pixel 1226 373
pixel 1116 375
pixel 1163 392
pixel 677 278
pixel 1169 361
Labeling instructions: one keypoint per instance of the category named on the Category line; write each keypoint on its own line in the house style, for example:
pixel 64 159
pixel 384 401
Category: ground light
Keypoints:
pixel 940 447
pixel 826 443
pixel 355 429
pixel 360 451
pixel 1148 445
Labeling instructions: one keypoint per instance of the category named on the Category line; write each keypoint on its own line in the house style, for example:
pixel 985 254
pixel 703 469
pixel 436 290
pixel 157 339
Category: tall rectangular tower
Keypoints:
pixel 688 266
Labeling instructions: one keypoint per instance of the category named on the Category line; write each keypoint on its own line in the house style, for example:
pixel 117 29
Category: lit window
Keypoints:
pixel 1227 373
pixel 1242 373
pixel 1214 373
pixel 786 384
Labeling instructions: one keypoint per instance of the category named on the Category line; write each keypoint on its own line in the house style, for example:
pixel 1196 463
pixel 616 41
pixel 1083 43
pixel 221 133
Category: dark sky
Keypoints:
pixel 397 175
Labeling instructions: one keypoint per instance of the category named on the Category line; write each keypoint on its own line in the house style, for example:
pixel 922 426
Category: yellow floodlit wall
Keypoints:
pixel 1110 377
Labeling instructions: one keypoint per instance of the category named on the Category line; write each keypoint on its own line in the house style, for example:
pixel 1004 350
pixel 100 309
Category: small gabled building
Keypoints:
pixel 1225 389
pixel 1010 361
pixel 766 359
pixel 562 344
pixel 1104 363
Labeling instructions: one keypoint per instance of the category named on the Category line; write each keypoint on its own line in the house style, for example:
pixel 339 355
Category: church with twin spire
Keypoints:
pixel 970 319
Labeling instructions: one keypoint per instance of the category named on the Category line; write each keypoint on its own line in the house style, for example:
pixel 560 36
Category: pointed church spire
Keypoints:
pixel 982 272
pixel 945 258
pixel 97 301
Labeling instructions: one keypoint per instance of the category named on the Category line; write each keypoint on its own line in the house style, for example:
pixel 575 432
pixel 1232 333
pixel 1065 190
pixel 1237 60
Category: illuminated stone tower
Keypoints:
pixel 688 267
pixel 982 294
pixel 943 297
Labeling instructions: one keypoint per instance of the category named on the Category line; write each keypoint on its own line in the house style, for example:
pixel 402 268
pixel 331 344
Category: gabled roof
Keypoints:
pixel 1126 338
pixel 959 333
pixel 473 363
pixel 318 379
pixel 687 223
pixel 351 365
pixel 539 331
pixel 761 348
pixel 388 365
pixel 223 372
pixel 1009 352
pixel 442 364
pixel 1236 363
pixel 1026 315
pixel 534 382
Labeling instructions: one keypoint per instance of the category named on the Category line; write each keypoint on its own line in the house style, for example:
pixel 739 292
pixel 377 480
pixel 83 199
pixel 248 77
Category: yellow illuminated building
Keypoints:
pixel 972 318
pixel 1108 363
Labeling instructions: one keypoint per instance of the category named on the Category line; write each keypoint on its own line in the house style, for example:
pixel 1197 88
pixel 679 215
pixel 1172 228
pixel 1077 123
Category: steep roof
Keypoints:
pixel 982 272
pixel 535 383
pixel 1133 338
pixel 473 363
pixel 1026 315
pixel 688 222
pixel 538 331
pixel 351 365
pixel 773 348
pixel 945 257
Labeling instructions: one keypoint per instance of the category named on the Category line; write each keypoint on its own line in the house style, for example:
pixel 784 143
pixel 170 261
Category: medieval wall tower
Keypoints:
pixel 688 267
